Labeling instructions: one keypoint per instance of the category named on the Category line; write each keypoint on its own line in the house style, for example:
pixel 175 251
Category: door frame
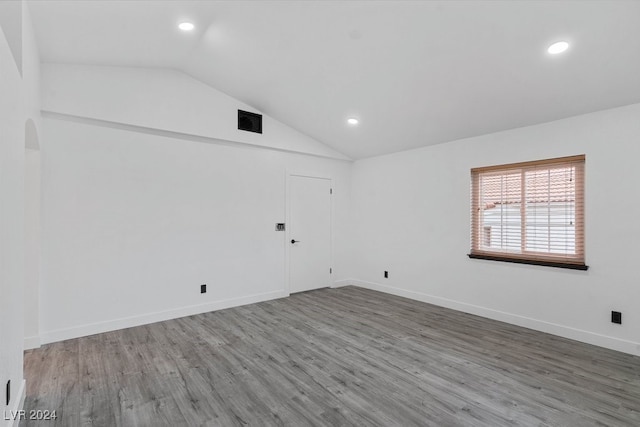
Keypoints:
pixel 287 246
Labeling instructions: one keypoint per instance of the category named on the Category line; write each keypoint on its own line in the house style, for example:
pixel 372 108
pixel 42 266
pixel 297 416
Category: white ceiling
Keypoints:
pixel 415 73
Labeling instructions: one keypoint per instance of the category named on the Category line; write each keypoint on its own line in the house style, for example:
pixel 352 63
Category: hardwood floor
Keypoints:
pixel 332 357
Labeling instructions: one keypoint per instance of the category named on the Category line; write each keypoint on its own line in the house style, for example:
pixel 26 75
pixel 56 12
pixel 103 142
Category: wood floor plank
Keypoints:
pixel 332 357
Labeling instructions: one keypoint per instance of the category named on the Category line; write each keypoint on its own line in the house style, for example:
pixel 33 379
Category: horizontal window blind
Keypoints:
pixel 531 210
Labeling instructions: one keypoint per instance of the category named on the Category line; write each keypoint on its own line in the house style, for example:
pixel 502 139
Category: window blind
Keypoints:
pixel 530 210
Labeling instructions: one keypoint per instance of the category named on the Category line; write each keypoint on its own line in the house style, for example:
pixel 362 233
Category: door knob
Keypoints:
pixel 294 241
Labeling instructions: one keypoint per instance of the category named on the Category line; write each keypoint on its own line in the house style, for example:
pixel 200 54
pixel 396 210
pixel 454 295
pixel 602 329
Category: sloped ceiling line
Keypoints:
pixel 170 134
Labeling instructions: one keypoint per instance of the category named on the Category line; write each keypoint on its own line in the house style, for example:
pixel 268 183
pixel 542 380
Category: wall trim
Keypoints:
pixel 19 406
pixel 128 322
pixel 31 342
pixel 175 135
pixel 612 343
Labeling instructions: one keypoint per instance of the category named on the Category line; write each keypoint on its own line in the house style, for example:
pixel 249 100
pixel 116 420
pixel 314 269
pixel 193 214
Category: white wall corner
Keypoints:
pixel 342 283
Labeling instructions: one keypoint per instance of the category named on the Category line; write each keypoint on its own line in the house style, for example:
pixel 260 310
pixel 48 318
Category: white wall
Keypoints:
pixel 162 99
pixel 11 226
pixel 134 221
pixel 31 94
pixel 32 211
pixel 411 217
pixel 11 25
pixel 17 106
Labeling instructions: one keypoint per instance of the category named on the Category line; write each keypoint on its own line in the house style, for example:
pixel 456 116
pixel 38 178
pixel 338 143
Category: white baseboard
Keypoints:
pixel 612 343
pixel 128 322
pixel 11 415
pixel 31 342
pixel 617 344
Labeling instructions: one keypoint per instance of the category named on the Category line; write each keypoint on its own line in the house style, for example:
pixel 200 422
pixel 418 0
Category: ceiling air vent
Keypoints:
pixel 250 122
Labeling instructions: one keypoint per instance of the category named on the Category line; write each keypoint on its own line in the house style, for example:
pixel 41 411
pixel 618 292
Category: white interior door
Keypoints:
pixel 309 233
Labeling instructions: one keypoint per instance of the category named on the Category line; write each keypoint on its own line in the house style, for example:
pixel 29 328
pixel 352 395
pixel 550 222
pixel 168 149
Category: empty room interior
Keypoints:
pixel 328 213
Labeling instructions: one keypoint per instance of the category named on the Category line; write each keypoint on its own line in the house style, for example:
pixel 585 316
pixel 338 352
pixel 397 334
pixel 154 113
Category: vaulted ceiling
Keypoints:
pixel 414 73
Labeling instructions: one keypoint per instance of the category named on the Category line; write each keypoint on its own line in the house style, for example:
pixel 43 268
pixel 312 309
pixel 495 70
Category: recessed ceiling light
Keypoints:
pixel 352 121
pixel 558 47
pixel 186 26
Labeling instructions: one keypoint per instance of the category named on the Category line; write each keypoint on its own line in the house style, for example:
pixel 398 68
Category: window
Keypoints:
pixel 531 212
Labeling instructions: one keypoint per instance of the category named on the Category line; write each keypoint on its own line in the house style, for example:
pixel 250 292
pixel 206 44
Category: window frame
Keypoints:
pixel 575 261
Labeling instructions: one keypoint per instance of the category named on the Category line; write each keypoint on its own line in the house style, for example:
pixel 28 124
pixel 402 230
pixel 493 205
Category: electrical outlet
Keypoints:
pixel 386 274
pixel 203 289
pixel 616 317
